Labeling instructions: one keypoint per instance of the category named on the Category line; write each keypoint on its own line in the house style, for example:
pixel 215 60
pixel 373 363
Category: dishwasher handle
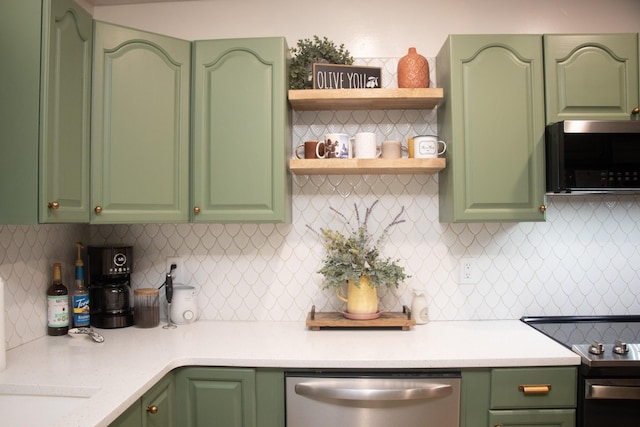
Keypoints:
pixel 342 391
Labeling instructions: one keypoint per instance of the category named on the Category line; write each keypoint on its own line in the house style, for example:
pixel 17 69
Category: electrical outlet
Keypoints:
pixel 178 273
pixel 468 270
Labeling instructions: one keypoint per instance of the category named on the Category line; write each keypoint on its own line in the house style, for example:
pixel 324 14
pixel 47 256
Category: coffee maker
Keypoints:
pixel 109 284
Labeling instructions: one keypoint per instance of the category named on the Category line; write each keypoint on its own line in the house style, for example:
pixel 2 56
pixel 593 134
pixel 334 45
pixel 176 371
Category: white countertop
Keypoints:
pixel 111 376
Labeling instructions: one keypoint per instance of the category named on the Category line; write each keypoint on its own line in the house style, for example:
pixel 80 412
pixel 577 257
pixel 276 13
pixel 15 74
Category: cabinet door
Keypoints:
pixel 65 108
pixel 158 404
pixel 131 417
pixel 20 41
pixel 493 123
pixel 140 127
pixel 241 131
pixel 216 397
pixel 591 76
pixel 533 417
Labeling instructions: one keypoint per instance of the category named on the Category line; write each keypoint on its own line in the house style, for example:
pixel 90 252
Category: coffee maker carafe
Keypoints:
pixel 109 285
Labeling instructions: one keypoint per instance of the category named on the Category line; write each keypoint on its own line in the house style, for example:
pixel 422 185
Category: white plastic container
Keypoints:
pixel 419 308
pixel 184 305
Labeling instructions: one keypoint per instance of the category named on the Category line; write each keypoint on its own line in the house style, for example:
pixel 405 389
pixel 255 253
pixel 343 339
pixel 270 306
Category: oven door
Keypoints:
pixel 611 402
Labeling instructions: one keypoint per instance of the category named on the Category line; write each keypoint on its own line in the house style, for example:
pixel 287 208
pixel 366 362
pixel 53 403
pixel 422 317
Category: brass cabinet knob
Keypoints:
pixel 635 111
pixel 543 208
pixel 196 210
pixel 153 409
pixel 98 209
pixel 53 205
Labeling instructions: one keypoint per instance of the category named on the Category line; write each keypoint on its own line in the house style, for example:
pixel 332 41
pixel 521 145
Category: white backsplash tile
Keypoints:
pixel 27 254
pixel 585 259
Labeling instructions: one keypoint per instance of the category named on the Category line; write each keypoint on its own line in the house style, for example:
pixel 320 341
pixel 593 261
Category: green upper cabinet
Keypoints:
pixel 241 131
pixel 65 113
pixel 140 127
pixel 591 76
pixel 493 122
pixel 44 113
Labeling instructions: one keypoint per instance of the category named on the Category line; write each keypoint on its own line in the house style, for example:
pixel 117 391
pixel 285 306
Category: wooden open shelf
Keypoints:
pixel 365 99
pixel 401 166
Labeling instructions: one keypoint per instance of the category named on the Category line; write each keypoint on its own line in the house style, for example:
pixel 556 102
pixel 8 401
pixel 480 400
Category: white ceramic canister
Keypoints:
pixel 419 308
pixel 184 305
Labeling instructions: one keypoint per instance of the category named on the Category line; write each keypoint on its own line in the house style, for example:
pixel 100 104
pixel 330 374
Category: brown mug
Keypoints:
pixel 312 150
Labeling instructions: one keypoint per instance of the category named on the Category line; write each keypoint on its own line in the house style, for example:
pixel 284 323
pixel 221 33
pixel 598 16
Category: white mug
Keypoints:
pixel 365 146
pixel 426 146
pixel 337 145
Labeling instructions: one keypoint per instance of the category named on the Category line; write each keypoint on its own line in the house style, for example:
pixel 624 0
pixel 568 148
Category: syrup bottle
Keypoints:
pixel 57 304
pixel 81 316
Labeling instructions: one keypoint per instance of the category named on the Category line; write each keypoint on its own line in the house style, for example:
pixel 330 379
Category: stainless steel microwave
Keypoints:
pixel 593 156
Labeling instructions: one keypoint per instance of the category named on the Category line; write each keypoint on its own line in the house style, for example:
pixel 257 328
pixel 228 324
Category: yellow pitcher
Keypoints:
pixel 361 299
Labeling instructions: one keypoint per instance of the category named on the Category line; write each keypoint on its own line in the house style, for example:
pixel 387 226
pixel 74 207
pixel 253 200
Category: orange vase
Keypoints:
pixel 413 70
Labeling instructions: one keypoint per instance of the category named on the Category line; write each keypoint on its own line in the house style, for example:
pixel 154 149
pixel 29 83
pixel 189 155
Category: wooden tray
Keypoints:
pixel 320 320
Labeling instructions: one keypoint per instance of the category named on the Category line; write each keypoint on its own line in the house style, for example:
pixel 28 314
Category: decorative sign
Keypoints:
pixel 332 76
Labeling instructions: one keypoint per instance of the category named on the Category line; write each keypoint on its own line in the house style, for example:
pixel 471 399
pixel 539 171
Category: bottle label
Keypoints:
pixel 81 310
pixel 57 311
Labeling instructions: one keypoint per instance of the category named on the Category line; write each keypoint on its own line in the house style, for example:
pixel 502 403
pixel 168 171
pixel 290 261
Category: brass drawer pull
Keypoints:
pixel 534 389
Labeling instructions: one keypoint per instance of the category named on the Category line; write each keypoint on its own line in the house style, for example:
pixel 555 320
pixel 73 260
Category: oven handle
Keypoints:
pixel 601 391
pixel 342 390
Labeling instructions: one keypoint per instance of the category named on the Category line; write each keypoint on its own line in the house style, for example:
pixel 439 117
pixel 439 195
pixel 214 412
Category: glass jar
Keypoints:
pixel 146 307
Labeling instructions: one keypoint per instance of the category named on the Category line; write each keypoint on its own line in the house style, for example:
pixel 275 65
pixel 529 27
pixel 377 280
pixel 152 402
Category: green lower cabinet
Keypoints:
pixel 533 417
pixel 132 417
pixel 158 404
pixel 156 408
pixel 539 396
pixel 229 397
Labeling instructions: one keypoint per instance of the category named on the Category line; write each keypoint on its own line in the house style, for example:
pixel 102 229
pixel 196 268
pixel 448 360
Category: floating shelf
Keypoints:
pixel 365 99
pixel 402 166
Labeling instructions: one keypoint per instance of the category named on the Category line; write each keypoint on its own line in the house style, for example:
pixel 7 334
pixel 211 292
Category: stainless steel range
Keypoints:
pixel 609 377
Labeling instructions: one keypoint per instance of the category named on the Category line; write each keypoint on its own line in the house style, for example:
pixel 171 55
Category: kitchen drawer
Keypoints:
pixel 509 388
pixel 533 418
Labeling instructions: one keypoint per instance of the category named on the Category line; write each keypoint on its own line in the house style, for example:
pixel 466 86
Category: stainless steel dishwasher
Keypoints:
pixel 372 399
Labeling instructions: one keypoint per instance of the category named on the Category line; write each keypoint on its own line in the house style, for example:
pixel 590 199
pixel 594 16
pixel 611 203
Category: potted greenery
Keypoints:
pixel 355 259
pixel 307 52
